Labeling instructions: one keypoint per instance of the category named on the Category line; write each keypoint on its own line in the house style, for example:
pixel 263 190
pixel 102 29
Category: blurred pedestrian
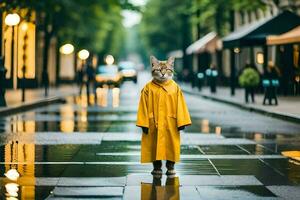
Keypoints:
pixel 80 78
pixel 45 82
pixel 270 83
pixel 212 74
pixel 249 79
pixel 2 82
pixel 90 74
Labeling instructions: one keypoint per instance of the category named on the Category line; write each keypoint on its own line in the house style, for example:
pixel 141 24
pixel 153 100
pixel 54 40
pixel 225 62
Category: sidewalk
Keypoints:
pixel 35 98
pixel 288 108
pixel 14 97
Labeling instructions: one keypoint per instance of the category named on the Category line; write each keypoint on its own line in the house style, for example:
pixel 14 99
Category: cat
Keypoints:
pixel 162 70
pixel 162 113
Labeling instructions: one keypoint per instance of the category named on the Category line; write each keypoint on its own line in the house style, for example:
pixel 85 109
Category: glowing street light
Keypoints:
pixel 83 54
pixel 66 49
pixel 109 59
pixel 24 26
pixel 12 19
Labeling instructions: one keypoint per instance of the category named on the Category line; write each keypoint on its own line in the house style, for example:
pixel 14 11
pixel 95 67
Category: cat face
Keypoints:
pixel 162 70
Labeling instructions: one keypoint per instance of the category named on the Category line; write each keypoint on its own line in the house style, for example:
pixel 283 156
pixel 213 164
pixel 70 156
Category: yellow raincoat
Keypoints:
pixel 162 109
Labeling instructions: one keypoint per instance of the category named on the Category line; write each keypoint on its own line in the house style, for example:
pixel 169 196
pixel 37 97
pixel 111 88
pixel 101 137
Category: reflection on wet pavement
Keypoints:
pixel 90 148
pixel 155 190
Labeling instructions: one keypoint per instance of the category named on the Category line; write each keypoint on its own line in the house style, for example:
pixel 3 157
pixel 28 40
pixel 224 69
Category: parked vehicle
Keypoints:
pixel 108 75
pixel 128 71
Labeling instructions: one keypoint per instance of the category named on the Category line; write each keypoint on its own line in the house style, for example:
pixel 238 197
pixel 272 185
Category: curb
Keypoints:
pixel 6 111
pixel 277 115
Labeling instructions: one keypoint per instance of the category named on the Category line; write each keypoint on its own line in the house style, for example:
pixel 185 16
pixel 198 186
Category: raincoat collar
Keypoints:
pixel 165 85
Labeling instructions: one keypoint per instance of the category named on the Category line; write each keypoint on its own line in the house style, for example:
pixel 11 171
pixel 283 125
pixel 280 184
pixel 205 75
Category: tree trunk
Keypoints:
pixel 47 39
pixel 232 60
pixel 185 42
pixel 1 53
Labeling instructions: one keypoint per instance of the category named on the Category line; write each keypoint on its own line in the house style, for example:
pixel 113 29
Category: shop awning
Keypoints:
pixel 176 53
pixel 209 43
pixel 256 33
pixel 292 36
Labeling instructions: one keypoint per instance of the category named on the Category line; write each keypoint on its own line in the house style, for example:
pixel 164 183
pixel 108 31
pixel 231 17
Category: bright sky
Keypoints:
pixel 132 18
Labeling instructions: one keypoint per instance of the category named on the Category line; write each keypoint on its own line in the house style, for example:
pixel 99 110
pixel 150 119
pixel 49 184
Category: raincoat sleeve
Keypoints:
pixel 183 116
pixel 142 114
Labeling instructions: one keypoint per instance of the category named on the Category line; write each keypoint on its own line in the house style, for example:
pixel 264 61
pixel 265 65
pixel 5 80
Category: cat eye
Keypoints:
pixel 160 70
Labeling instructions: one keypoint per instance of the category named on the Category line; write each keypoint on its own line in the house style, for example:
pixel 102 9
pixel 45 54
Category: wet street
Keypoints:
pixel 91 150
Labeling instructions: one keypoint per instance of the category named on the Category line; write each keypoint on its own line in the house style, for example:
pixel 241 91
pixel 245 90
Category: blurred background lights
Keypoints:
pixel 66 49
pixel 12 19
pixel 109 59
pixel 24 26
pixel 83 54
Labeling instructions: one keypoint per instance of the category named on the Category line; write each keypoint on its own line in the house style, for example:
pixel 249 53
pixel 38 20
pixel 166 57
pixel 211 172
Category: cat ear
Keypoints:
pixel 171 61
pixel 153 61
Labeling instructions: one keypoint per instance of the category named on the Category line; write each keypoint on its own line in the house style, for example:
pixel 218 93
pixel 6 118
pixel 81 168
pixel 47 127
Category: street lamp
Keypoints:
pixel 66 49
pixel 83 54
pixel 12 20
pixel 109 59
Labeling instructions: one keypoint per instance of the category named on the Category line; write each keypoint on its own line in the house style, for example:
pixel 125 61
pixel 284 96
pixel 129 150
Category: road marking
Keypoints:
pixel 203 156
pixel 242 157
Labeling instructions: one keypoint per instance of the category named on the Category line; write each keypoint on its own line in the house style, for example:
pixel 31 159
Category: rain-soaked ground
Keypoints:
pixel 78 150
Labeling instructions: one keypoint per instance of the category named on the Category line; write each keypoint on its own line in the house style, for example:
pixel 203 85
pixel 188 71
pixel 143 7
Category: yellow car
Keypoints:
pixel 108 75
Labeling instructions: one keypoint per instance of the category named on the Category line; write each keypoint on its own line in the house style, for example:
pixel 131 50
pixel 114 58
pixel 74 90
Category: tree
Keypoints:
pixel 94 24
pixel 162 26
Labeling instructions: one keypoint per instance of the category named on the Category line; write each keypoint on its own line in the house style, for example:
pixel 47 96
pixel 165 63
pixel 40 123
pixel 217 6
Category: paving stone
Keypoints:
pixel 91 181
pixel 88 191
pixel 229 193
pixel 146 191
pixel 202 136
pixel 34 181
pixel 200 156
pixel 188 193
pixel 122 137
pixel 41 138
pixel 132 192
pixel 230 141
pixel 72 198
pixel 218 180
pixel 46 181
pixel 194 180
pixel 286 191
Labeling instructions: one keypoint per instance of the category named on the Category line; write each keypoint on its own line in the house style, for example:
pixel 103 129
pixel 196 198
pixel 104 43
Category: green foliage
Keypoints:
pixel 132 45
pixel 162 26
pixel 215 15
pixel 249 78
pixel 93 24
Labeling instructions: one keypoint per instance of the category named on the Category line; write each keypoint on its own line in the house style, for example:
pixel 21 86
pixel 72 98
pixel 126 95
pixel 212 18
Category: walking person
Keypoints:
pixel 2 82
pixel 80 79
pixel 90 73
pixel 271 82
pixel 249 79
pixel 212 74
pixel 162 113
